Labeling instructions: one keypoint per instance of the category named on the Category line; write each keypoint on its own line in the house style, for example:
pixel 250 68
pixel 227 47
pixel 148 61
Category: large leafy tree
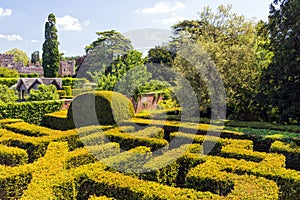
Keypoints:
pixel 108 77
pixel 230 41
pixel 51 54
pixel 19 55
pixel 103 51
pixel 281 80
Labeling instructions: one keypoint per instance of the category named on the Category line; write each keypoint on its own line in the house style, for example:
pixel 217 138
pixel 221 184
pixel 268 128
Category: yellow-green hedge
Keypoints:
pixel 216 178
pixel 109 108
pixel 12 156
pixel 291 152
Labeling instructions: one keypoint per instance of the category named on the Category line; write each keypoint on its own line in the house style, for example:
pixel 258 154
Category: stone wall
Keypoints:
pixel 6 60
pixel 66 68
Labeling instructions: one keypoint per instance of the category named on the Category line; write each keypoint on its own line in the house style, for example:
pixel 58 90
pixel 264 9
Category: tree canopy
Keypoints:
pixel 103 51
pixel 19 55
pixel 280 83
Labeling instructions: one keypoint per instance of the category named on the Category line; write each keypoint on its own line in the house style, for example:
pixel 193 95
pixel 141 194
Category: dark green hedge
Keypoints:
pixel 8 81
pixel 31 112
pixel 12 156
pixel 57 120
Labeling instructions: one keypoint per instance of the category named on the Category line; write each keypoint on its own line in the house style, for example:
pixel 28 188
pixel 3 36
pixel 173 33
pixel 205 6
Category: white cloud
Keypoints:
pixel 12 37
pixel 173 20
pixel 68 23
pixel 34 41
pixel 86 23
pixel 162 7
pixel 5 12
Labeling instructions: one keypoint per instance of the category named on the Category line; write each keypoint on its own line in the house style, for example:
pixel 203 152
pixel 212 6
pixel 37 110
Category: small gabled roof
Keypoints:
pixel 30 82
pixel 27 82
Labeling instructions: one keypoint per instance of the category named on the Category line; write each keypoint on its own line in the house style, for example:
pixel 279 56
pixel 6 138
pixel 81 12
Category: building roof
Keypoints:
pixel 30 82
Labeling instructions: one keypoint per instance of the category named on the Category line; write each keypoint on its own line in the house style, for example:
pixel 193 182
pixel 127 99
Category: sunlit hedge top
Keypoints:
pixel 100 107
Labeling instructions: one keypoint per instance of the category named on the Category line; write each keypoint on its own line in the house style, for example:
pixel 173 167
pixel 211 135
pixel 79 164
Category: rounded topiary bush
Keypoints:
pixel 100 108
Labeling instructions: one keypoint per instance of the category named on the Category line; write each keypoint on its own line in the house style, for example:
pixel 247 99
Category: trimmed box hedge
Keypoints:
pixel 290 150
pixel 100 108
pixel 31 112
pixel 8 81
pixel 12 156
pixel 212 176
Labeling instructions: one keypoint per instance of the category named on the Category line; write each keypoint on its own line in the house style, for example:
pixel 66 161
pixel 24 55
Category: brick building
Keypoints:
pixel 66 68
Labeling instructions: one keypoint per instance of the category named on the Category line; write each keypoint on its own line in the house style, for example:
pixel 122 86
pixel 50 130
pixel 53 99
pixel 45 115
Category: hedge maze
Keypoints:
pixel 105 162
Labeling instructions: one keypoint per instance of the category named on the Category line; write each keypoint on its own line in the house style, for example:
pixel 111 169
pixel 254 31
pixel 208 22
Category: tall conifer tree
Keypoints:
pixel 50 48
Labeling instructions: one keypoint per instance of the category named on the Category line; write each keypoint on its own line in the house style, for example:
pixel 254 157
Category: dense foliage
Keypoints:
pixel 280 81
pixel 8 73
pixel 19 55
pixel 31 112
pixel 43 93
pixel 50 48
pixel 6 95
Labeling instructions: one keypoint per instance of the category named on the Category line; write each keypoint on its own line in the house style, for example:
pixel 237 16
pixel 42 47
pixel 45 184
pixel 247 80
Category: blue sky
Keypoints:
pixel 22 22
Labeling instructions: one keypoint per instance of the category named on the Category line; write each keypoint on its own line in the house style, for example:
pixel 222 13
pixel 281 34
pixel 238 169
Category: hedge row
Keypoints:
pixel 12 156
pixel 9 121
pixel 31 112
pixel 128 141
pixel 40 180
pixel 212 176
pixel 36 146
pixel 90 180
pixel 74 82
pixel 58 120
pixel 150 132
pixel 128 162
pixel 100 198
pixel 175 114
pixel 28 129
pixel 166 169
pixel 90 154
pixel 262 140
pixel 291 151
pixel 8 81
pixel 270 168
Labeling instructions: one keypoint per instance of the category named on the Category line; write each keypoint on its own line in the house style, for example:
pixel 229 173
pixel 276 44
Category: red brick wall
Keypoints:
pixel 146 102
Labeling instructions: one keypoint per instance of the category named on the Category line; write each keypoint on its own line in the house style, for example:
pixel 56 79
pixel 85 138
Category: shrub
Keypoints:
pixel 91 180
pixel 150 132
pixel 212 176
pixel 44 92
pixel 128 141
pixel 12 156
pixel 290 151
pixel 100 108
pixel 74 82
pixel 6 95
pixel 68 90
pixel 57 120
pixel 61 93
pixel 8 81
pixel 31 112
